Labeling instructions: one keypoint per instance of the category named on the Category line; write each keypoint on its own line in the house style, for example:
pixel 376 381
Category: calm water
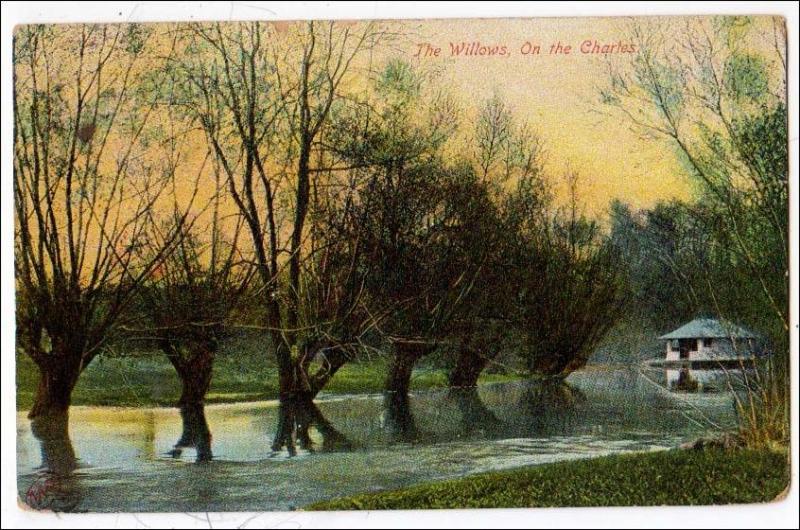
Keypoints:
pixel 123 460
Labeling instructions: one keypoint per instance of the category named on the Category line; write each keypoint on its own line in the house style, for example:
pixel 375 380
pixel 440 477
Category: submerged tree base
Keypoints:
pixel 677 477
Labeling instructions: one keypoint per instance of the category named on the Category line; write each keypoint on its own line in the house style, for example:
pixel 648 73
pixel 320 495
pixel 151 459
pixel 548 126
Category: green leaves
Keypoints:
pixel 745 78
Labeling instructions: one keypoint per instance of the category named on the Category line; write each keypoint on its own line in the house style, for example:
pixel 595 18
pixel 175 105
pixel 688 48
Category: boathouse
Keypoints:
pixel 709 339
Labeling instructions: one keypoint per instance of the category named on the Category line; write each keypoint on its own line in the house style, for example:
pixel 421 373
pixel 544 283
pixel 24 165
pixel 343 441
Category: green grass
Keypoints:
pixel 676 477
pixel 149 380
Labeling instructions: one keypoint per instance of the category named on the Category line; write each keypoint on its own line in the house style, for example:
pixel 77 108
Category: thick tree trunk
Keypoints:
pixel 194 371
pixel 468 368
pixel 196 378
pixel 195 433
pixel 297 413
pixel 285 431
pixel 308 415
pixel 405 357
pixel 57 377
pixel 57 489
pixel 52 432
pixel 399 421
pixel 296 416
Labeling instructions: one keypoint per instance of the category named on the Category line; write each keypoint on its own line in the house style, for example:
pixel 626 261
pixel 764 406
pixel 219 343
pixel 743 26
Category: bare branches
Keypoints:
pixel 702 92
pixel 85 184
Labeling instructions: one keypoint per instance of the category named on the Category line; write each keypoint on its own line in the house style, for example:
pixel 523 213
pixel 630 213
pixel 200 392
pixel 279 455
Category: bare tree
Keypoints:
pixel 718 95
pixel 264 109
pixel 83 191
pixel 192 300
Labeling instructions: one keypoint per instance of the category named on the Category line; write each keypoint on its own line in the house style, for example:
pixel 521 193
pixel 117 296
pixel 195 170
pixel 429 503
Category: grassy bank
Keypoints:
pixel 676 477
pixel 149 380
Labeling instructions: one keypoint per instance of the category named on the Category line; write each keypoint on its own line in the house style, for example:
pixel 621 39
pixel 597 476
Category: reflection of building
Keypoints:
pixel 687 380
pixel 708 339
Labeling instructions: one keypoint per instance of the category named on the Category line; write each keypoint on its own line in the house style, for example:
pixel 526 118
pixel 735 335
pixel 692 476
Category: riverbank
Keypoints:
pixel 150 381
pixel 675 477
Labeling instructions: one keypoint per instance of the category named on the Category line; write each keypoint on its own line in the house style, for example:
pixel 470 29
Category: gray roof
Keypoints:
pixel 709 328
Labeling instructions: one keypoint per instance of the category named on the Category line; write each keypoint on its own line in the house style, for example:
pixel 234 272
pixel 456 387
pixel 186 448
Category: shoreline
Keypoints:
pixel 743 476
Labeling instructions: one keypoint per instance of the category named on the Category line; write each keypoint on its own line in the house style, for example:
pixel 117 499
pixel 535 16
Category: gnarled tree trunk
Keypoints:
pixel 468 368
pixel 195 371
pixel 52 432
pixel 296 416
pixel 406 355
pixel 58 374
pixel 195 432
pixel 398 419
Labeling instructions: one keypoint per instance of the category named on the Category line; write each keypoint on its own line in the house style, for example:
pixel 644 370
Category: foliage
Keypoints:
pixel 83 190
pixel 727 253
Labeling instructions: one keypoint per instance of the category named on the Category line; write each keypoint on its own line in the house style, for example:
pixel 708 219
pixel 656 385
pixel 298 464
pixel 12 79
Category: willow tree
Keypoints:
pixel 716 93
pixel 508 160
pixel 570 290
pixel 264 94
pixel 83 189
pixel 190 303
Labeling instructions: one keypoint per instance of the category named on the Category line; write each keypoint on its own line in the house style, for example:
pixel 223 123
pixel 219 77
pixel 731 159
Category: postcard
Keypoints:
pixel 401 264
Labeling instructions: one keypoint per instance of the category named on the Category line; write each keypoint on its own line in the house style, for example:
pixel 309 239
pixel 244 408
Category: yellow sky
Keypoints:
pixel 559 96
pixel 556 94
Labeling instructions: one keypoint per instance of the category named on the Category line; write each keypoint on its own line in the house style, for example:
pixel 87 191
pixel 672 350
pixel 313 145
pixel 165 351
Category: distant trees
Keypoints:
pixel 83 190
pixel 723 109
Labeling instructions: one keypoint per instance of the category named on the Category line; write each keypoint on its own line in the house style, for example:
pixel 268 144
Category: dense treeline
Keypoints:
pixel 339 206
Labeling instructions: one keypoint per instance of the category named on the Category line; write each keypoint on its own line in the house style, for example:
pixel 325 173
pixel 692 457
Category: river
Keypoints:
pixel 123 461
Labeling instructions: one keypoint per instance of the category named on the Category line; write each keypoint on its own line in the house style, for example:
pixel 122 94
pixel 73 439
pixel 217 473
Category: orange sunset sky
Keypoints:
pixel 559 96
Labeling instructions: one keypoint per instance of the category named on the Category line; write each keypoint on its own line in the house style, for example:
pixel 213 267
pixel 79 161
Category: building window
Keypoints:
pixel 707 343
pixel 673 345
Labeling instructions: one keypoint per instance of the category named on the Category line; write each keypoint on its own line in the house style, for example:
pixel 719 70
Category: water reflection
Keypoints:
pixel 690 380
pixel 476 417
pixel 52 432
pixel 195 434
pixel 55 486
pixel 551 407
pixel 398 420
pixel 296 417
pixel 123 465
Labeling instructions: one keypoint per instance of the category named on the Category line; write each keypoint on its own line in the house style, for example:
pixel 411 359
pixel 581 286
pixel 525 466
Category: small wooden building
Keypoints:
pixel 709 339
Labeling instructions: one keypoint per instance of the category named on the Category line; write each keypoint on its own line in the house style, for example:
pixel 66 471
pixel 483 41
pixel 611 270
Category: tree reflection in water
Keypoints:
pixel 195 434
pixel 550 407
pixel 297 415
pixel 56 486
pixel 476 418
pixel 398 421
